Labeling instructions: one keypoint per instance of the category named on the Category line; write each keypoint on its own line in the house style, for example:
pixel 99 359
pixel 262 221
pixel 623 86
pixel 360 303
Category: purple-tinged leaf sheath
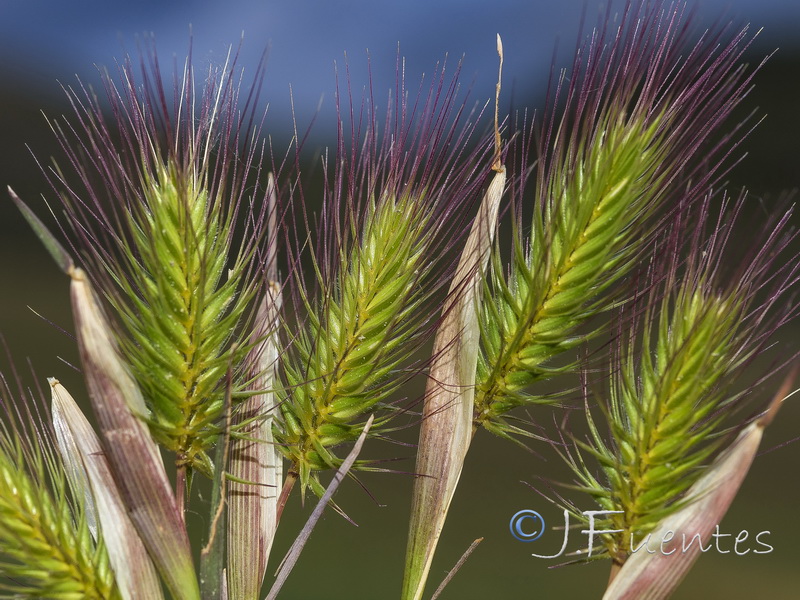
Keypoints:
pixel 253 506
pixel 446 429
pixel 80 447
pixel 132 454
pixel 646 576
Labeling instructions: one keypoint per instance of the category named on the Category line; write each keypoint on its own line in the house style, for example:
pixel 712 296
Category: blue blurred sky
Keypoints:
pixel 42 41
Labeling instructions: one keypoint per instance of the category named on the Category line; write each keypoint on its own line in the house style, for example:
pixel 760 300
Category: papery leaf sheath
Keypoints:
pixel 132 454
pixel 255 458
pixel 446 428
pixel 133 570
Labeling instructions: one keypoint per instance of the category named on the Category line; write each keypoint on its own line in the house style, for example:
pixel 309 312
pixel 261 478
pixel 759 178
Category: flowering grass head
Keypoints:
pixel 672 401
pixel 192 337
pixel 49 544
pixel 627 133
pixel 393 209
pixel 151 206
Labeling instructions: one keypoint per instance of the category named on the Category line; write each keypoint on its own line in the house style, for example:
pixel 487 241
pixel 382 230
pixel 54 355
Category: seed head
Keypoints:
pixel 625 137
pixel 392 212
pixel 673 403
pixel 151 199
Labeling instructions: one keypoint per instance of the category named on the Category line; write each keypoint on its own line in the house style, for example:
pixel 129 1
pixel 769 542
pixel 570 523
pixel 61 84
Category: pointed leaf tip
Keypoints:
pixel 51 244
pixel 783 393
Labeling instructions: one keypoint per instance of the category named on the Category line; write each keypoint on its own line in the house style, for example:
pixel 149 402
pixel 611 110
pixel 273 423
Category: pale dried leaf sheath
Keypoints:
pixel 134 572
pixel 446 428
pixel 133 456
pixel 646 576
pixel 71 454
pixel 253 507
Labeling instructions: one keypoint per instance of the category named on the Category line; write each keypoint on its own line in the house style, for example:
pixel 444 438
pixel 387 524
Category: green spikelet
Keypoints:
pixel 631 145
pixel 184 312
pixel 671 402
pixel 665 412
pixel 152 215
pixel 583 241
pixel 46 548
pixel 355 337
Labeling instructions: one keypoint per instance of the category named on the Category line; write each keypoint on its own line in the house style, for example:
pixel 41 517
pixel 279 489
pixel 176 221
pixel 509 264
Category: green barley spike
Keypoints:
pixel 660 422
pixel 671 397
pixel 628 145
pixel 388 221
pixel 581 243
pixel 154 215
pixel 359 338
pixel 181 322
pixel 46 548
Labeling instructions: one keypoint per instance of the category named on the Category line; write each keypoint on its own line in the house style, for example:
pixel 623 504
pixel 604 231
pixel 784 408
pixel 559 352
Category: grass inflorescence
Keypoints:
pixel 193 339
pixel 671 401
pixel 47 548
pixel 154 216
pixel 183 317
pixel 356 339
pixel 611 170
pixel 394 209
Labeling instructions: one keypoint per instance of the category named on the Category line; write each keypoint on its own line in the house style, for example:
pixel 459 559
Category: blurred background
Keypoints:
pixel 44 45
